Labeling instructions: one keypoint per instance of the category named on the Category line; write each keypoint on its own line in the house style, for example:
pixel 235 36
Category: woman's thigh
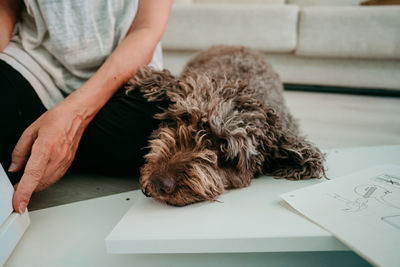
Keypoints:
pixel 115 141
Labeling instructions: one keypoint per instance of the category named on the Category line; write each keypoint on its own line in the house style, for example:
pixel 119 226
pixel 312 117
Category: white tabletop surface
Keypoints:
pixel 250 219
pixel 73 234
pixel 246 220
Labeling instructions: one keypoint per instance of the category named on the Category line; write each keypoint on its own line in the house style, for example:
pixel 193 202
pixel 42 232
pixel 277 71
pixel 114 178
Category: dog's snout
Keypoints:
pixel 163 184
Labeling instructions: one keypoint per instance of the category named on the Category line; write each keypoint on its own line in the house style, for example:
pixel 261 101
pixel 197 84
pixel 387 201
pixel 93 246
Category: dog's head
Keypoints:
pixel 179 168
pixel 205 142
pixel 183 165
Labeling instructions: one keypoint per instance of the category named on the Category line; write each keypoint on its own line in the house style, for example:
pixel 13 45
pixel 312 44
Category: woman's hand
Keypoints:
pixel 48 147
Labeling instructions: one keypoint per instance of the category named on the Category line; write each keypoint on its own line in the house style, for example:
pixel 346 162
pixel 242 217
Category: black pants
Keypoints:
pixel 114 143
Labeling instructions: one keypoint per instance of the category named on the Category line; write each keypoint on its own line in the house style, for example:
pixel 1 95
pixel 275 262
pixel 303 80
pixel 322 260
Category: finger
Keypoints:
pixel 34 171
pixel 22 150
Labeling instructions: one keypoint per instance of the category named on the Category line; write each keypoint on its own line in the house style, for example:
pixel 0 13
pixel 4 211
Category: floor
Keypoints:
pixel 329 120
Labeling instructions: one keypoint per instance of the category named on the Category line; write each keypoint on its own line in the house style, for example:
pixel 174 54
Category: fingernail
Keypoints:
pixel 12 167
pixel 22 207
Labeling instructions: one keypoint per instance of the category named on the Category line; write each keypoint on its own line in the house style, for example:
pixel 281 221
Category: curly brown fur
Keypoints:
pixel 227 123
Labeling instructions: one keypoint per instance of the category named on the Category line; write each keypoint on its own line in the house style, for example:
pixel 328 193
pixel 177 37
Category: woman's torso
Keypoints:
pixel 58 44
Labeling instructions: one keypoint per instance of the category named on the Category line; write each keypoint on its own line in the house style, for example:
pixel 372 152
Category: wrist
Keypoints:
pixel 82 104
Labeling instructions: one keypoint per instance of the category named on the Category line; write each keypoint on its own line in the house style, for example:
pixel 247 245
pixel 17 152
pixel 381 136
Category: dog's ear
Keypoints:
pixel 239 126
pixel 154 84
pixel 256 140
pixel 251 140
pixel 295 158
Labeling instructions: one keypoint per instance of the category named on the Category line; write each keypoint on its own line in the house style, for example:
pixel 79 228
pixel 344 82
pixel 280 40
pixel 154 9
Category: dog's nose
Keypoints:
pixel 162 184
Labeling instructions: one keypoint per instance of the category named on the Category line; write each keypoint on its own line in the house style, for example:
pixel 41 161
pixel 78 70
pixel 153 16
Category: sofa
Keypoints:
pixel 313 44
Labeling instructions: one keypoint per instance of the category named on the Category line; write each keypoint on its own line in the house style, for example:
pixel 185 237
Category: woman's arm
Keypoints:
pixel 9 11
pixel 49 145
pixel 135 51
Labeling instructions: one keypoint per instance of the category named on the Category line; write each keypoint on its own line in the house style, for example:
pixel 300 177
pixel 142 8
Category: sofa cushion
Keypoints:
pixel 357 73
pixel 183 2
pixel 325 2
pixel 359 32
pixel 270 28
pixel 380 2
pixel 341 72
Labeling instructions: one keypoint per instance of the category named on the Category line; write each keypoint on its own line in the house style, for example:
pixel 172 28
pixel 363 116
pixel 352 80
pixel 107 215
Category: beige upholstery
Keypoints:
pixel 324 2
pixel 183 1
pixel 355 32
pixel 263 27
pixel 364 73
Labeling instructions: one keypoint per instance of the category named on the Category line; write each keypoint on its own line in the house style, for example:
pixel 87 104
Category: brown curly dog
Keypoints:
pixel 227 123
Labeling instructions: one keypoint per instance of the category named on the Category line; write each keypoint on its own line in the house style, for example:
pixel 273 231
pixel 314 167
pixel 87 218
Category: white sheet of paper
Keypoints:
pixel 360 209
pixel 6 194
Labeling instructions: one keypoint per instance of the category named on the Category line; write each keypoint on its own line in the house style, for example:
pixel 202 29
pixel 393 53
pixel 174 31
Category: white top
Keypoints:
pixel 58 45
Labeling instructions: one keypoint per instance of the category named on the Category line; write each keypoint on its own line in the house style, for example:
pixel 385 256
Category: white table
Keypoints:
pixel 73 234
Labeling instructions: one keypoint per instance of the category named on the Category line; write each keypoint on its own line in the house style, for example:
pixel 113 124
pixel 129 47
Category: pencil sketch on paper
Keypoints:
pixel 388 179
pixel 393 220
pixel 363 194
pixel 362 209
pixel 351 205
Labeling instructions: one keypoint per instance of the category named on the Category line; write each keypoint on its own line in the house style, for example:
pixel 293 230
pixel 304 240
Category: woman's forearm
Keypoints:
pixel 9 11
pixel 134 51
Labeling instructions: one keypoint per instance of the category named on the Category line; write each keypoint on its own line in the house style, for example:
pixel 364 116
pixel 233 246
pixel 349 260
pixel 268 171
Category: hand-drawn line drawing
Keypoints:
pixel 379 193
pixel 388 179
pixel 367 192
pixel 393 220
pixel 356 205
